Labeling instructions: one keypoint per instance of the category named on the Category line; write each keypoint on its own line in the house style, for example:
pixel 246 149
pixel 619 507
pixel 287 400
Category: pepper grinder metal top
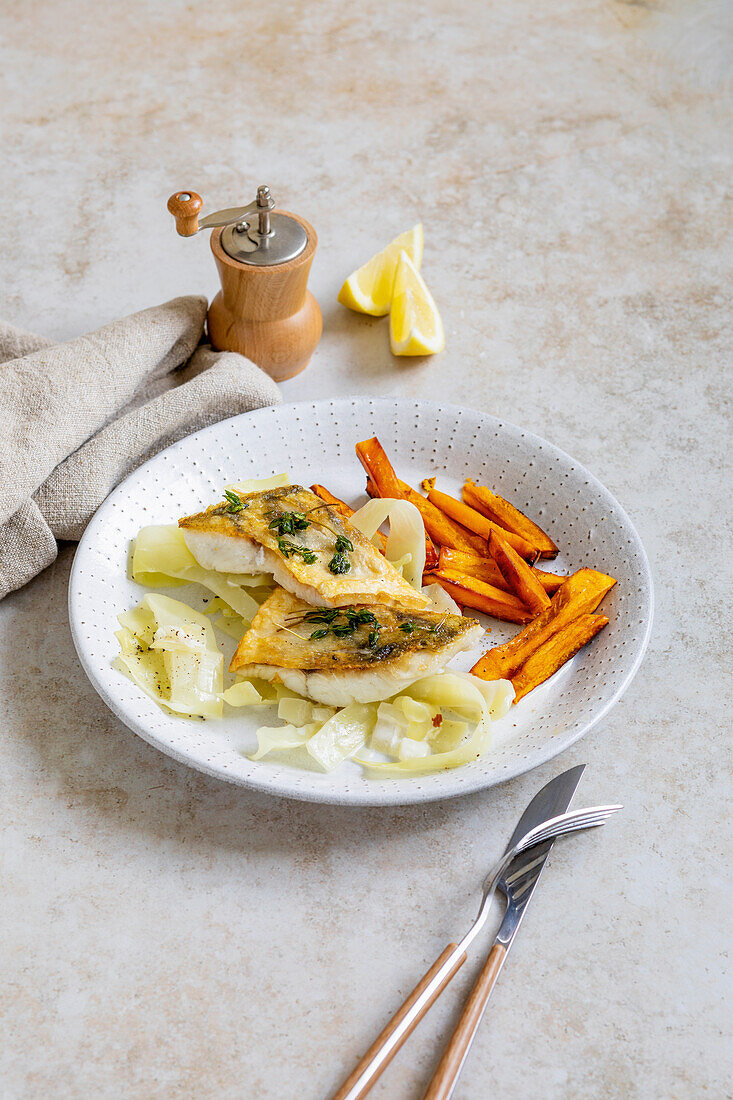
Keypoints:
pixel 264 309
pixel 263 239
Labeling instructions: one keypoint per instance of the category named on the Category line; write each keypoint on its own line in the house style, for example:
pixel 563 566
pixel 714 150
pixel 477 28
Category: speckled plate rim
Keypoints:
pixel 395 792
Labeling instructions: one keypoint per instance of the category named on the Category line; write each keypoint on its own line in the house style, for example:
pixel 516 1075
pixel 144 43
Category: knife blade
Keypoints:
pixel 519 881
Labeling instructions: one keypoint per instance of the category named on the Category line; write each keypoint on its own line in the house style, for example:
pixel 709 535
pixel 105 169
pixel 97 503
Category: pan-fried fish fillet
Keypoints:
pixel 304 559
pixel 355 654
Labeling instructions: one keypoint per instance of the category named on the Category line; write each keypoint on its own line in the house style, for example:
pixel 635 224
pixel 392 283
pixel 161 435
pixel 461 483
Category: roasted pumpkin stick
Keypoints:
pixel 380 473
pixel 373 458
pixel 553 653
pixel 471 592
pixel 495 508
pixel 519 576
pixel 487 570
pixel 580 594
pixel 483 569
pixel 482 526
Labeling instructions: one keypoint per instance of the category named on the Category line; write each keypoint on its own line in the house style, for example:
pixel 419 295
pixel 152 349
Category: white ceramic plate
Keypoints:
pixel 315 442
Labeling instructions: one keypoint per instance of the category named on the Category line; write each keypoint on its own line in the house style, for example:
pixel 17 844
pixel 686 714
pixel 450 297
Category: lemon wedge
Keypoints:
pixel 369 288
pixel 415 327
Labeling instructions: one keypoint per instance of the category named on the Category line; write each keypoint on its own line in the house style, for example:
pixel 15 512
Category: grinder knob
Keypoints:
pixel 185 206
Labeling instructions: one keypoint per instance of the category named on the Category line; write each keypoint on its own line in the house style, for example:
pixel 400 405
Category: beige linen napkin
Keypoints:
pixel 77 417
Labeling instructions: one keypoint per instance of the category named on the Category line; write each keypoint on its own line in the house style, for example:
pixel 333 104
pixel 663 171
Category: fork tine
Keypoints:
pixel 588 820
pixel 583 821
pixel 578 819
pixel 574 827
pixel 602 813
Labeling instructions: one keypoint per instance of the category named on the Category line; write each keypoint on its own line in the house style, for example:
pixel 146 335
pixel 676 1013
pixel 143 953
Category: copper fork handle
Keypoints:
pixel 360 1081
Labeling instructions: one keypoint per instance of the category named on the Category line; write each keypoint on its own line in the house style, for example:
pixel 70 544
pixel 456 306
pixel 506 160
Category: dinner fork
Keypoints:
pixel 361 1079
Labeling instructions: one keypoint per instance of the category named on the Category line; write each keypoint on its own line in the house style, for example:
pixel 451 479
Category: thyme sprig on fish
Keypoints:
pixel 340 563
pixel 290 549
pixel 341 622
pixel 287 523
pixel 236 504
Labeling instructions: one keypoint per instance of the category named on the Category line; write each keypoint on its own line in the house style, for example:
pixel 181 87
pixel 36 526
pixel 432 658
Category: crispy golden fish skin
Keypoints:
pixel 309 548
pixel 340 655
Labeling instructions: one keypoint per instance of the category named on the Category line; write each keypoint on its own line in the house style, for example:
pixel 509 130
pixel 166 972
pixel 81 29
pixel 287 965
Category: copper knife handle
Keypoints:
pixel 445 1077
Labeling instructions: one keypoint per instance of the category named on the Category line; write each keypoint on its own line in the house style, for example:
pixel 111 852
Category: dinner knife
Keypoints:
pixel 518 883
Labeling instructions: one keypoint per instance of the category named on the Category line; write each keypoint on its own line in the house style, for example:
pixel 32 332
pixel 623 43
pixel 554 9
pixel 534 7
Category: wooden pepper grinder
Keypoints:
pixel 264 309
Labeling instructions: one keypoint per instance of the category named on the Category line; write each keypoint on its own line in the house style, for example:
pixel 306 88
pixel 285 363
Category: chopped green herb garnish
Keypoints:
pixel 339 563
pixel 287 523
pixel 236 504
pixel 407 627
pixel 289 550
pixel 319 634
pixel 343 630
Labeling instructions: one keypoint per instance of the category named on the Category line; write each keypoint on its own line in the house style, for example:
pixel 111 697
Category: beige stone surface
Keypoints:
pixel 169 936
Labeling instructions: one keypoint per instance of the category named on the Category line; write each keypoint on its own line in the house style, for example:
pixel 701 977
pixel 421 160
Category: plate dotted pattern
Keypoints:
pixel 315 442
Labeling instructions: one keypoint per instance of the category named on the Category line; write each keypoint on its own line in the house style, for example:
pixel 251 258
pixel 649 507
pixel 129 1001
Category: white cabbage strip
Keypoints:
pixel 242 694
pixel 342 735
pixel 440 599
pixel 170 651
pixel 282 738
pixel 406 533
pixel 412 727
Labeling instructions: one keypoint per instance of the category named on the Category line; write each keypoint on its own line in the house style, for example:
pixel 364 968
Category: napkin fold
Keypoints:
pixel 75 418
